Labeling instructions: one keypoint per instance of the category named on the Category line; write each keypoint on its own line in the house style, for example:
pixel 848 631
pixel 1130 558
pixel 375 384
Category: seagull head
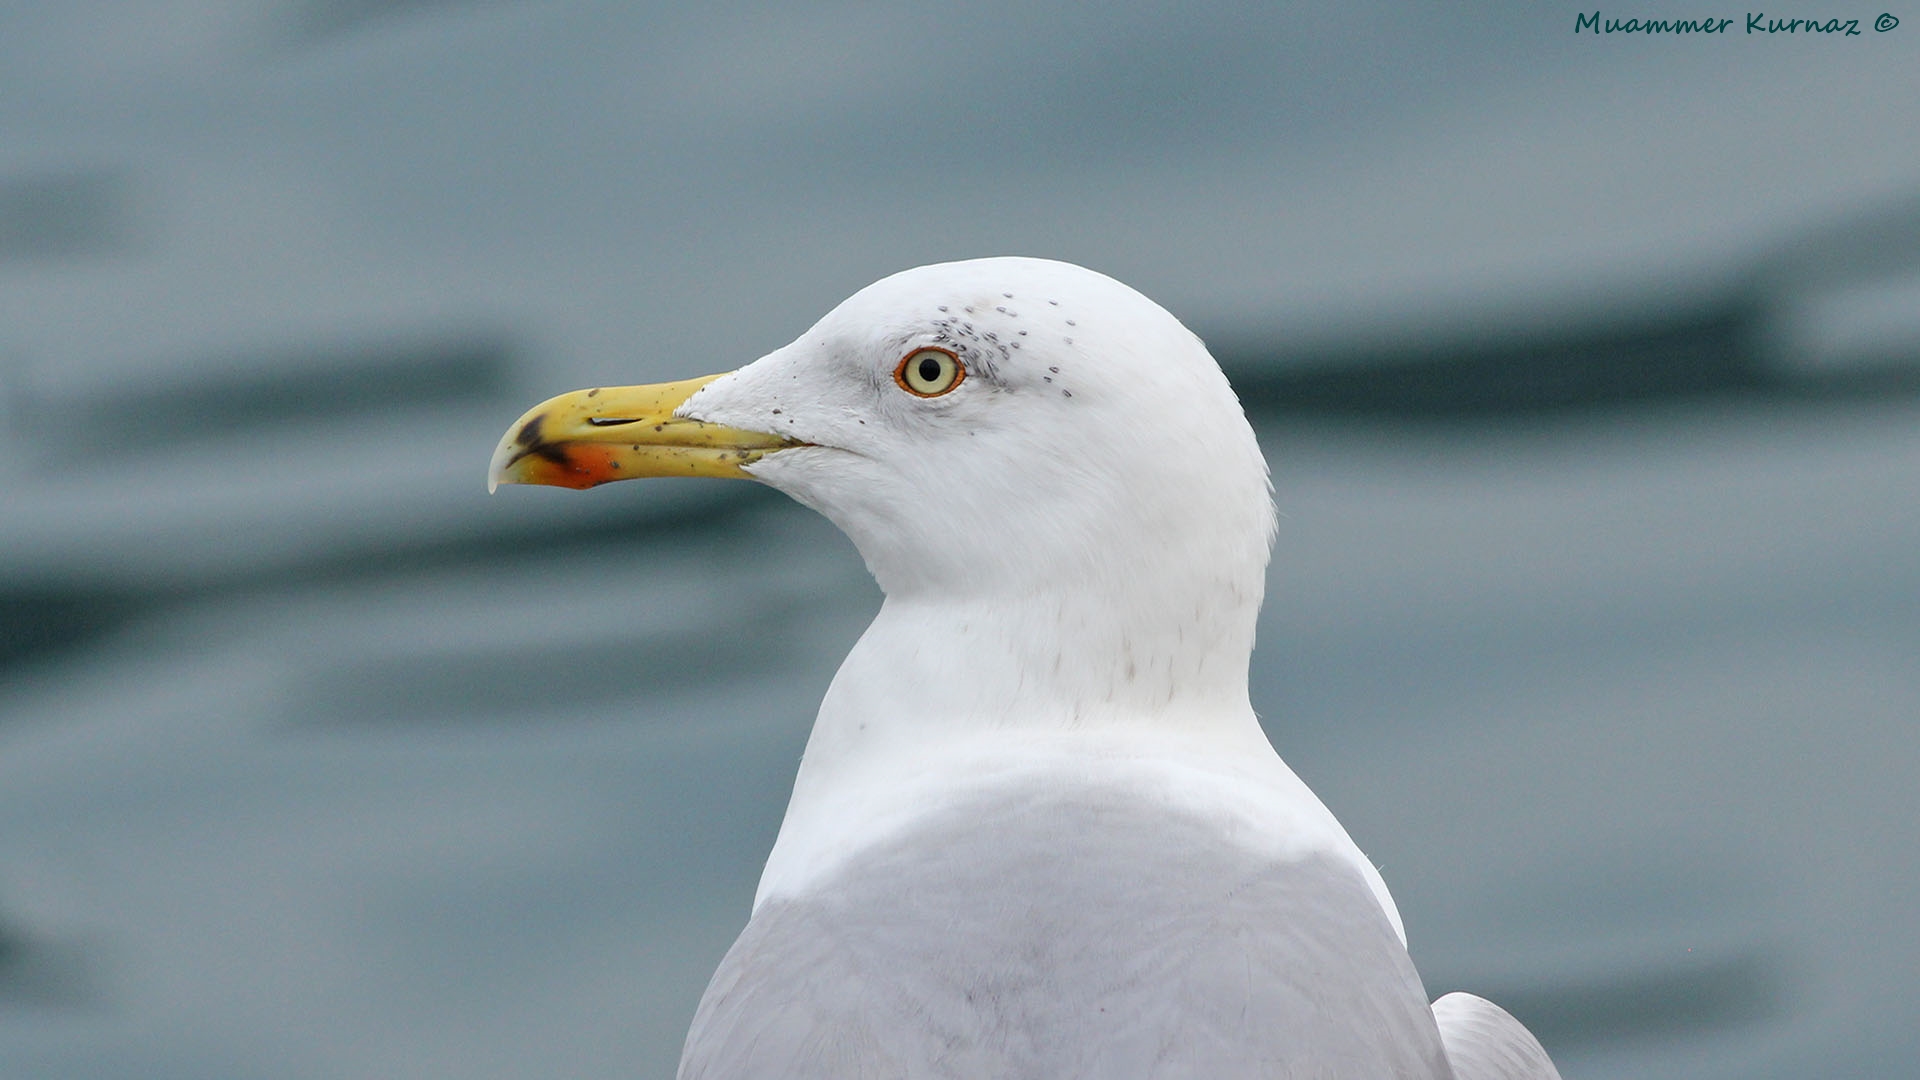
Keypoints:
pixel 1008 438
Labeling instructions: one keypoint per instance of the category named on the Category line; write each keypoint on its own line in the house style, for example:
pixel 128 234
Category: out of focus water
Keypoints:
pixel 1595 428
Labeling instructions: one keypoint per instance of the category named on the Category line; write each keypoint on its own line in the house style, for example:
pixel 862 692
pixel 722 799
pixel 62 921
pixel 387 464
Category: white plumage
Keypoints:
pixel 1038 830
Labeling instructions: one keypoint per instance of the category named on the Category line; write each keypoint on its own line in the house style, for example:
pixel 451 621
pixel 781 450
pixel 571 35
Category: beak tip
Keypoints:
pixel 497 467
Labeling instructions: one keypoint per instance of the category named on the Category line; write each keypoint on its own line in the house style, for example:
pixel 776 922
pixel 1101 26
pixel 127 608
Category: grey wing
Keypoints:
pixel 1485 1042
pixel 789 1002
pixel 1069 937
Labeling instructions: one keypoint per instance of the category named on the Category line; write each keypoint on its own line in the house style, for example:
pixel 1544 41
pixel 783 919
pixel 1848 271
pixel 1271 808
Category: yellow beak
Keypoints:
pixel 592 437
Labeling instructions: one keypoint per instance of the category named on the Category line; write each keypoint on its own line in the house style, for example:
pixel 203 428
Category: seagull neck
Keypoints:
pixel 939 703
pixel 1047 661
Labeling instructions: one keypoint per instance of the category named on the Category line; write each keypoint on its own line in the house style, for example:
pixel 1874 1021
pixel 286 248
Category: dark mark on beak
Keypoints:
pixel 531 445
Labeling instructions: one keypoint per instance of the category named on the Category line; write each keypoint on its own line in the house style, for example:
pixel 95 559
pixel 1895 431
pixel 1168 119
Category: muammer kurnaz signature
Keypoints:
pixel 1756 23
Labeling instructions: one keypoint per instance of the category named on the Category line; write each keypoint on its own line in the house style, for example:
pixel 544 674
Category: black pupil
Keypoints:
pixel 929 369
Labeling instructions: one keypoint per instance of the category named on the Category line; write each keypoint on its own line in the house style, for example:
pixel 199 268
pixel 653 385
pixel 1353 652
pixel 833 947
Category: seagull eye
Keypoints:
pixel 929 372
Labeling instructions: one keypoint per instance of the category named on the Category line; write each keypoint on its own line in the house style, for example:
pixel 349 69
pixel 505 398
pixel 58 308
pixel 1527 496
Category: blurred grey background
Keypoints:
pixel 1589 368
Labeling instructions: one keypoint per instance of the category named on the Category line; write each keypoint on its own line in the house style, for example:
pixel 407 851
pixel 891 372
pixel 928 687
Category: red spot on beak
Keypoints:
pixel 576 465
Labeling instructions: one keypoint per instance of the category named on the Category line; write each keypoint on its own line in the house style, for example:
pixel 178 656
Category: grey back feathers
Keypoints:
pixel 1075 934
pixel 1485 1042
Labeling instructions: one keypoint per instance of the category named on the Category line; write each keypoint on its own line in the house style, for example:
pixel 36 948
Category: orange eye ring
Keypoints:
pixel 929 372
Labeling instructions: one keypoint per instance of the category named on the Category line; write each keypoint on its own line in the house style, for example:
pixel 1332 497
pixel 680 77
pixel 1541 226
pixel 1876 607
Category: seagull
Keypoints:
pixel 1038 830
